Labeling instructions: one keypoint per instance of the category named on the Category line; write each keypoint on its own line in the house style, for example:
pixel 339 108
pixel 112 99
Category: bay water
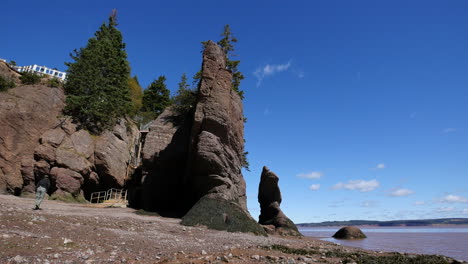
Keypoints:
pixel 449 241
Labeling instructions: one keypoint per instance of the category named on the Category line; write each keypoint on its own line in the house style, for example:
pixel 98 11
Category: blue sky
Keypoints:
pixel 360 107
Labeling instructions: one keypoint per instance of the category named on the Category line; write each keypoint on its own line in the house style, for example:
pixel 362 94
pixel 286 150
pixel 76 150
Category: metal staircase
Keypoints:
pixel 110 198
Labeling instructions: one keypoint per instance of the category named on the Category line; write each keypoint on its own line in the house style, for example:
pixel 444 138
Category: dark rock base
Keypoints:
pixel 221 215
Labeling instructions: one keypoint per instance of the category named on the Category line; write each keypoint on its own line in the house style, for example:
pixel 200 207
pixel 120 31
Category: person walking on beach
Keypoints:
pixel 42 187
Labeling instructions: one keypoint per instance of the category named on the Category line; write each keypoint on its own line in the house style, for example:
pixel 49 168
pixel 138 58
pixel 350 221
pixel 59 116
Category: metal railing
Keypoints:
pixel 111 194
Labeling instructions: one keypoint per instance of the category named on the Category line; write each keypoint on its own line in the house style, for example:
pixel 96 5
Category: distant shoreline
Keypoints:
pixel 394 223
pixel 372 226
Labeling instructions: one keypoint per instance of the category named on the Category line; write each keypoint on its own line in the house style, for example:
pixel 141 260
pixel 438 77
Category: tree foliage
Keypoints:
pixel 136 94
pixel 227 44
pixel 30 78
pixel 54 82
pixel 156 97
pixel 185 99
pixel 6 83
pixel 97 81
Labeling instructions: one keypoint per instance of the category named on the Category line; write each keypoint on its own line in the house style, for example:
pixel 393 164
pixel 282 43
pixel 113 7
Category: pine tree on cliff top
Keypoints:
pixel 136 94
pixel 156 97
pixel 227 44
pixel 185 99
pixel 97 82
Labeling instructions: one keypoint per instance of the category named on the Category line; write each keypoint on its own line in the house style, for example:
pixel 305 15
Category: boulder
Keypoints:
pixel 66 180
pixel 69 158
pixel 67 125
pixel 113 155
pixel 82 143
pixel 349 232
pixel 26 112
pixel 269 197
pixel 53 137
pixel 45 152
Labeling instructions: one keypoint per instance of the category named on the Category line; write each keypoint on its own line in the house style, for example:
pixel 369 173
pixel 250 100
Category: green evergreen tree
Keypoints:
pixel 185 98
pixel 227 44
pixel 97 81
pixel 136 93
pixel 156 97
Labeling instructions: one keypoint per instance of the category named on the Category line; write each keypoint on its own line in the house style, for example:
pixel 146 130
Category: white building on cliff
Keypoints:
pixel 42 70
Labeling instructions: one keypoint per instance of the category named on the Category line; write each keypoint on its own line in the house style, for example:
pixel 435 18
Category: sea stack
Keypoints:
pixel 349 232
pixel 269 197
pixel 216 148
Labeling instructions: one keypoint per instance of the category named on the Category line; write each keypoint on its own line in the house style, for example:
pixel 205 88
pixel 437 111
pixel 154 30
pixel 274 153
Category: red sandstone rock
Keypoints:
pixel 26 112
pixel 66 180
pixel 269 197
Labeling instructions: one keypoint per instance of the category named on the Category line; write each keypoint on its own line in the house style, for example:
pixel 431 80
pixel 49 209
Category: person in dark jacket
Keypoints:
pixel 42 188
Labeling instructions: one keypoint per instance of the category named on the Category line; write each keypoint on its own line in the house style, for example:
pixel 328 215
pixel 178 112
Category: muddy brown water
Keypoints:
pixel 449 241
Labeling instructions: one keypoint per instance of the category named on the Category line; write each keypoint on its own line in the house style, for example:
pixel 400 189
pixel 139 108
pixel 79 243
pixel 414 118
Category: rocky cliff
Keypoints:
pixel 25 113
pixel 36 140
pixel 163 187
pixel 195 164
pixel 271 215
pixel 80 163
pixel 191 162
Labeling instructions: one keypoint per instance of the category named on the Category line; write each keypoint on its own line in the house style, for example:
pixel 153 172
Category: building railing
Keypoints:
pixel 111 194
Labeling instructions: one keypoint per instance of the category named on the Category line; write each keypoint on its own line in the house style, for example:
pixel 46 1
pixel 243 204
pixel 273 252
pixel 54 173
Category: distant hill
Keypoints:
pixel 424 222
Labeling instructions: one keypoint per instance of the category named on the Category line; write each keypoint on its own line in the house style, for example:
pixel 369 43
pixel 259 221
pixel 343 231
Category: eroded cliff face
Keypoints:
pixel 36 140
pixel 163 186
pixel 271 216
pixel 80 163
pixel 25 113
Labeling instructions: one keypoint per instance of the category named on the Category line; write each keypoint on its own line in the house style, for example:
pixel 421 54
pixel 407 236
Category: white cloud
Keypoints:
pixel 314 187
pixel 449 130
pixel 419 203
pixel 399 192
pixel 445 209
pixel 311 175
pixel 300 74
pixel 450 198
pixel 368 204
pixel 465 211
pixel 380 166
pixel 360 185
pixel 269 70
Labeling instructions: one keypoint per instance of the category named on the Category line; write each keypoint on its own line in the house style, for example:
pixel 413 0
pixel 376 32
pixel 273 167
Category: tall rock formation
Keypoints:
pixel 217 140
pixel 25 113
pixel 216 150
pixel 192 165
pixel 269 197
